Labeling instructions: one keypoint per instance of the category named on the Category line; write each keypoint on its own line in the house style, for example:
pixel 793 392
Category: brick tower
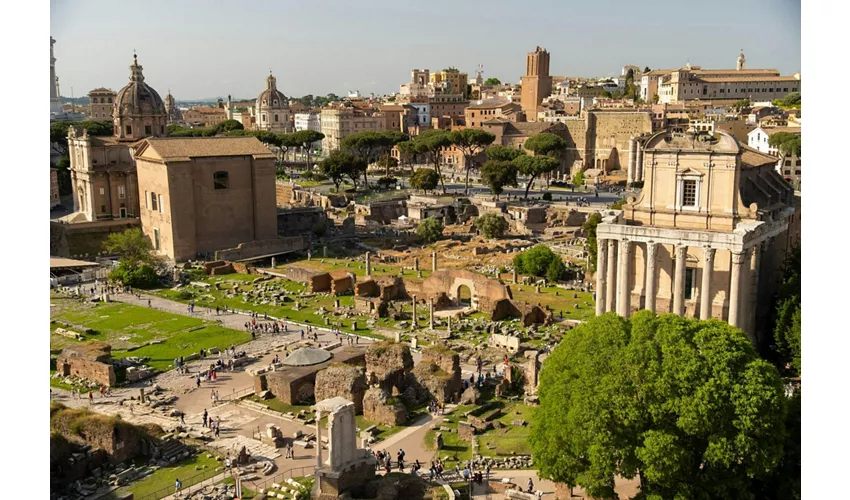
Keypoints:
pixel 536 84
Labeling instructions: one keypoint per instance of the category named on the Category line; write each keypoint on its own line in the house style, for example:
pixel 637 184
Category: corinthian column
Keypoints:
pixel 752 297
pixel 705 287
pixel 623 292
pixel 601 262
pixel 738 259
pixel 679 280
pixel 611 271
pixel 651 258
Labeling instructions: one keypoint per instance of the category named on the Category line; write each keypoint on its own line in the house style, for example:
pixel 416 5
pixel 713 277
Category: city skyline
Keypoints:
pixel 174 52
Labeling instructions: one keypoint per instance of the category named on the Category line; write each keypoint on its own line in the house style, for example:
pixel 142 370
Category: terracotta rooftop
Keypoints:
pixel 774 130
pixel 492 105
pixel 185 148
pixel 754 78
pixel 755 158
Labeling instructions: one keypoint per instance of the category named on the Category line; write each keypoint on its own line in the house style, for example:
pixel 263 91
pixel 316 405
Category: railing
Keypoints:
pixel 282 476
pixel 241 393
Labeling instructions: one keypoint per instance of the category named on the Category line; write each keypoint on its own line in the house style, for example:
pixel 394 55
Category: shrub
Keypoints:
pixel 491 225
pixel 547 196
pixel 141 276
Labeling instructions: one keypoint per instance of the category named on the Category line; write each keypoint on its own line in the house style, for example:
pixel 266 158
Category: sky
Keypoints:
pixel 212 48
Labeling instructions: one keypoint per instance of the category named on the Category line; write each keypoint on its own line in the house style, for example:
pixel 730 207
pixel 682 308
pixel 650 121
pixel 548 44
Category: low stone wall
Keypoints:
pixel 368 288
pixel 505 342
pixel 319 283
pixel 91 361
pixel 253 249
pixel 225 269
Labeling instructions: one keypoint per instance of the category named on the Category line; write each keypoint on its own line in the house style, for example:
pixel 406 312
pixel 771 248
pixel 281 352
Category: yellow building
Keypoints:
pixel 455 79
pixel 705 236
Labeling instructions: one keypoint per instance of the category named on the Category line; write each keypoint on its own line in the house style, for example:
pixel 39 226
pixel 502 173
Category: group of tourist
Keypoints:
pixel 435 408
pixel 211 423
pixel 289 451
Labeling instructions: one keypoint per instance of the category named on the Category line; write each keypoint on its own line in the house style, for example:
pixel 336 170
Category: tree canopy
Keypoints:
pixel 492 225
pixel 589 228
pixel 430 144
pixel 430 229
pixel 425 179
pixel 545 143
pixel 492 81
pixel 59 132
pixel 787 143
pixel 470 142
pixel 685 404
pixel 788 314
pixel 135 258
pixel 497 174
pixel 503 153
pixel 540 261
pixel 341 164
pixel 370 145
pixel 534 166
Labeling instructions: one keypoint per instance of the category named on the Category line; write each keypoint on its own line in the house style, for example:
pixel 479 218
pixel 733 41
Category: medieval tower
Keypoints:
pixel 536 84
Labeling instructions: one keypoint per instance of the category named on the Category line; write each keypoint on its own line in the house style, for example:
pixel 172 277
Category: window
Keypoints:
pixel 689 283
pixel 793 89
pixel 155 239
pixel 796 172
pixel 154 205
pixel 147 201
pixel 689 193
pixel 110 100
pixel 798 163
pixel 102 192
pixel 785 89
pixel 129 130
pixel 103 208
pixel 161 204
pixel 787 163
pixel 221 180
pixel 161 130
pixel 275 118
pixel 148 130
pixel 121 193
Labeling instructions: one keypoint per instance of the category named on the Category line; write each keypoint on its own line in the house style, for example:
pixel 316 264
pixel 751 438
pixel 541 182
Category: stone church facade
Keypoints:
pixel 103 173
pixel 705 237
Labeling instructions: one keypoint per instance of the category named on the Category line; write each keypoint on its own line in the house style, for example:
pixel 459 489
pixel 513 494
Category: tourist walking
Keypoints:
pixel 177 486
pixel 205 417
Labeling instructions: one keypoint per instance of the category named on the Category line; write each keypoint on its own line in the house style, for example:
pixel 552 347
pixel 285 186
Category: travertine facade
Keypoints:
pixel 704 237
pixel 204 194
pixel 338 122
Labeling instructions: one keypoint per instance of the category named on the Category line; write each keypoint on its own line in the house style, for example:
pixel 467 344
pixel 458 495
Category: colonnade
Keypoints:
pixel 615 258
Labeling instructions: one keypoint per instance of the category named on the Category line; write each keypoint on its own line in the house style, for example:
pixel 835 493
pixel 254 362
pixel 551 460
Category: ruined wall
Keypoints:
pixel 504 308
pixel 379 407
pixel 91 361
pixel 485 292
pixel 301 220
pixel 287 388
pixel 283 193
pixel 319 283
pixel 368 288
pixel 438 374
pixel 612 130
pixel 263 247
pixel 298 274
pixel 341 284
pixel 342 380
pixel 387 364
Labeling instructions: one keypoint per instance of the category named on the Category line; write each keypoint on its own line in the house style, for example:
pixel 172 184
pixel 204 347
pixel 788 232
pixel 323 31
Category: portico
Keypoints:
pixel 691 243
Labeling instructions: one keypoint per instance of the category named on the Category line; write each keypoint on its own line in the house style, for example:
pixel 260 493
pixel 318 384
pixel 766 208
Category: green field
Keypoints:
pixel 509 439
pixel 561 303
pixel 126 327
pixel 306 314
pixel 165 477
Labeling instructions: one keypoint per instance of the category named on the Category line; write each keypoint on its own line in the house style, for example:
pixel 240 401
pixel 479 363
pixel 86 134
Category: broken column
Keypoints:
pixel 325 251
pixel 431 311
pixel 414 323
pixel 368 264
pixel 434 261
pixel 449 319
pixel 309 254
pixel 416 263
pixel 274 262
pixel 515 277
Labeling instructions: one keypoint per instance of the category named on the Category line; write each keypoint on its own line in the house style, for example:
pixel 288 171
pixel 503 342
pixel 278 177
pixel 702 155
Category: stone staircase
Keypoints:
pixel 172 450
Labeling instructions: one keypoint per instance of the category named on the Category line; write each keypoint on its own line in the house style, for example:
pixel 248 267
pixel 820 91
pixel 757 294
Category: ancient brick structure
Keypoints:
pixel 387 365
pixel 439 373
pixel 91 361
pixel 380 407
pixel 484 292
pixel 296 384
pixel 342 380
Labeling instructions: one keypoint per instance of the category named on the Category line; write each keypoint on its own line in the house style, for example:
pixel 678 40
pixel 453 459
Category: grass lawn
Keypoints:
pixel 306 314
pixel 563 302
pixel 359 268
pixel 509 439
pixel 246 493
pixel 278 405
pixel 166 476
pixel 383 430
pixel 126 326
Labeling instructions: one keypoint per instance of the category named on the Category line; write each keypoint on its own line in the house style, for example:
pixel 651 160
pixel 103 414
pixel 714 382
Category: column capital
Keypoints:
pixel 709 253
pixel 681 251
pixel 739 257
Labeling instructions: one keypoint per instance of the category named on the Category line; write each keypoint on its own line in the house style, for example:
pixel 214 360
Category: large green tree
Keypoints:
pixel 539 261
pixel 341 164
pixel 497 174
pixel 686 405
pixel 425 179
pixel 503 153
pixel 492 81
pixel 535 166
pixel 136 259
pixel 430 145
pixel 370 145
pixel 788 315
pixel 305 139
pixel 430 229
pixel 492 225
pixel 543 144
pixel 408 153
pixel 470 142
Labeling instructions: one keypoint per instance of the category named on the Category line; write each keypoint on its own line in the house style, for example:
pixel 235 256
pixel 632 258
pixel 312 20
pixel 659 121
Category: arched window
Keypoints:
pixel 221 180
pixel 154 205
pixel 275 117
pixel 110 100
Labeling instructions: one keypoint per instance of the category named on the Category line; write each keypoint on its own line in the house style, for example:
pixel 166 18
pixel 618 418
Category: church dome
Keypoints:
pixel 272 98
pixel 139 110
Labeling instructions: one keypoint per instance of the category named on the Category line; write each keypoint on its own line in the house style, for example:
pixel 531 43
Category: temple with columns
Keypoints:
pixel 705 237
